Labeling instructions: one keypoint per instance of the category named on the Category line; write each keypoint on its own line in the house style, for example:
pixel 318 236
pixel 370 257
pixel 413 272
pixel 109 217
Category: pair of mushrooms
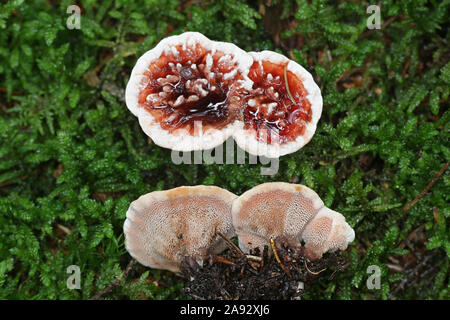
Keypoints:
pixel 163 227
pixel 192 93
pixel 270 105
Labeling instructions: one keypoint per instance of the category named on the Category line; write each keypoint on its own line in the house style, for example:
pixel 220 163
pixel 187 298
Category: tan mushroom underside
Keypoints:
pixel 163 227
pixel 291 211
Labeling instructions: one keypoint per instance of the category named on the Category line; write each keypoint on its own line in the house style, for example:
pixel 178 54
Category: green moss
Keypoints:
pixel 72 156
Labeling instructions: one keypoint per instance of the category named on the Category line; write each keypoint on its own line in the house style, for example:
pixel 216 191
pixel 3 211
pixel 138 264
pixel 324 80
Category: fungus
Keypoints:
pixel 184 79
pixel 327 231
pixel 282 109
pixel 268 103
pixel 163 227
pixel 292 212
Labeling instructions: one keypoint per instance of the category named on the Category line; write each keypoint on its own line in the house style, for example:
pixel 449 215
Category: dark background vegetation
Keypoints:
pixel 72 157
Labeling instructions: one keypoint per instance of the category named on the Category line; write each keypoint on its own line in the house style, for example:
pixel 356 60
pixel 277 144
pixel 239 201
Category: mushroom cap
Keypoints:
pixel 327 231
pixel 138 78
pixel 279 209
pixel 162 227
pixel 188 79
pixel 247 138
pixel 202 49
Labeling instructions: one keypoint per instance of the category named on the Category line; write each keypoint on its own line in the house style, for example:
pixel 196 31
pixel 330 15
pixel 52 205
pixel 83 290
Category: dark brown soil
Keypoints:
pixel 235 276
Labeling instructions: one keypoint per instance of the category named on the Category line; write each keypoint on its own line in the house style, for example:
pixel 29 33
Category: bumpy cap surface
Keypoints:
pixel 282 109
pixel 191 93
pixel 163 227
pixel 185 91
pixel 291 211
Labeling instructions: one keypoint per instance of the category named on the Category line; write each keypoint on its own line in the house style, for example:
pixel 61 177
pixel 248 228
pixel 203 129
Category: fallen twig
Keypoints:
pixel 253 258
pixel 432 182
pixel 64 229
pixel 220 259
pixel 232 245
pixel 278 258
pixel 312 272
pixel 115 283
pixel 384 25
pixel 13 92
pixel 287 85
pixel 415 271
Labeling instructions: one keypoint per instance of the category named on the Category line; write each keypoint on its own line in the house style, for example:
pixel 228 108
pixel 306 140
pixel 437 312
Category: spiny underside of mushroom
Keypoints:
pixel 163 227
pixel 268 103
pixel 293 212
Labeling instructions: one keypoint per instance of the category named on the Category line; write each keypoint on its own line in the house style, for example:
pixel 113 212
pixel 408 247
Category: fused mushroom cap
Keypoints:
pixel 273 124
pixel 328 231
pixel 185 91
pixel 279 209
pixel 191 93
pixel 163 227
